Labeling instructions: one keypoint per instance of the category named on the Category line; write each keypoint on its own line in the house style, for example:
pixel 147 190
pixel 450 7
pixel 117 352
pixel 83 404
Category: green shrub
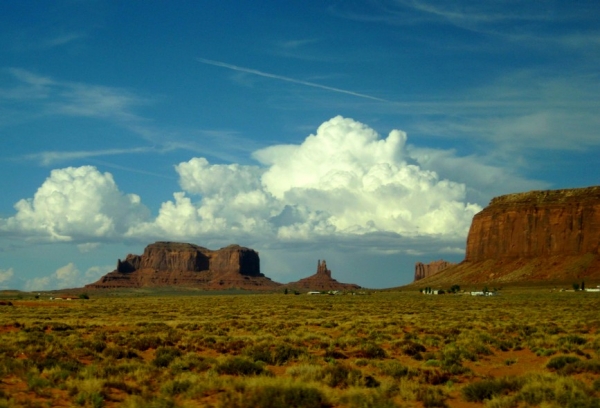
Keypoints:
pixel 572 339
pixel 486 389
pixel 239 366
pixel 175 387
pixel 410 348
pixel 109 370
pixel 259 352
pixel 371 350
pixel 545 352
pixel 434 376
pixel 366 399
pixel 95 345
pixel 119 353
pixel 274 396
pixel 334 354
pixel 559 362
pixel 149 402
pixel 341 376
pixel 395 369
pixel 165 355
pixel 596 384
pixel 563 391
pixel 59 326
pixel 452 355
pixel 122 386
pixel 431 397
pixel 36 383
pixel 361 362
pixel 145 342
pixel 190 362
pixel 94 400
pixel 284 352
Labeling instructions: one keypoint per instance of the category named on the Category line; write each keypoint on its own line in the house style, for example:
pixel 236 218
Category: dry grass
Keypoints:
pixel 383 350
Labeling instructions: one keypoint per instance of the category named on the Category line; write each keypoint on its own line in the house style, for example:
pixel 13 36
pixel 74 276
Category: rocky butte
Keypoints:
pixel 180 264
pixel 540 236
pixel 423 271
pixel 321 281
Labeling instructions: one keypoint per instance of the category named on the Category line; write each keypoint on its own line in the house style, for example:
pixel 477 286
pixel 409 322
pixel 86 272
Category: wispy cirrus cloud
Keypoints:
pixel 47 96
pixel 97 101
pixel 518 111
pixel 472 13
pixel 62 39
pixel 529 24
pixel 53 157
pixel 521 111
pixel 28 96
pixel 294 44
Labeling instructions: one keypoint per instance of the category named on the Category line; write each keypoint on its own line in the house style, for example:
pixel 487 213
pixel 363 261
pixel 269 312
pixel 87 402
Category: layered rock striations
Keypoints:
pixel 423 271
pixel 321 281
pixel 539 236
pixel 538 223
pixel 181 264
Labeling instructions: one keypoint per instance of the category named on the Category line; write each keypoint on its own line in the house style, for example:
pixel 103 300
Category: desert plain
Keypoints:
pixel 532 346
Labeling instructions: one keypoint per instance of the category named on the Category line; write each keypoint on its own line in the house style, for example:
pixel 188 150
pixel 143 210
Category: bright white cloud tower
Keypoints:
pixel 76 204
pixel 343 180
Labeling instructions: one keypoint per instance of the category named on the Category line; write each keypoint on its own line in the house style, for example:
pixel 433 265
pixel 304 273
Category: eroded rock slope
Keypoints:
pixel 538 236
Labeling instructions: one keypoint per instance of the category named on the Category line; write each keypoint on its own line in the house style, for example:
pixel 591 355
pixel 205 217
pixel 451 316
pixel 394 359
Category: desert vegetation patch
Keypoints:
pixel 272 350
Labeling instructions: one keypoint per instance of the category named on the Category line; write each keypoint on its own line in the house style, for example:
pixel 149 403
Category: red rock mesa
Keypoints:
pixel 181 264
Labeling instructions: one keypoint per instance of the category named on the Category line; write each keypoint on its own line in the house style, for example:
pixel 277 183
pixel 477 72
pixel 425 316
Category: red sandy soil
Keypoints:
pixel 500 364
pixel 495 366
pixel 8 328
pixel 17 390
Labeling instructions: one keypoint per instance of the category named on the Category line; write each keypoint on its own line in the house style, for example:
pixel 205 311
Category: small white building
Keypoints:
pixel 481 293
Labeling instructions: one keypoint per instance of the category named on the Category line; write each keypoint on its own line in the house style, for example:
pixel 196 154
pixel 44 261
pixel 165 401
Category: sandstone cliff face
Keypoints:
pixel 426 270
pixel 321 281
pixel 539 236
pixel 165 256
pixel 181 264
pixel 538 223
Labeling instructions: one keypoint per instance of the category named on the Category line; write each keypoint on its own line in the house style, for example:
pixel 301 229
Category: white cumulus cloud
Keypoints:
pixel 88 247
pixel 364 183
pixel 343 180
pixel 67 273
pixel 68 276
pixel 76 203
pixel 9 279
pixel 38 283
pixel 6 275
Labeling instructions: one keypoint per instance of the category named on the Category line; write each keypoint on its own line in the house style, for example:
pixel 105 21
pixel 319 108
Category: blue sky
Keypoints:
pixel 367 133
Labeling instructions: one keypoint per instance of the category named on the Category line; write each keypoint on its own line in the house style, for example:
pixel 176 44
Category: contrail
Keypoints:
pixel 283 78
